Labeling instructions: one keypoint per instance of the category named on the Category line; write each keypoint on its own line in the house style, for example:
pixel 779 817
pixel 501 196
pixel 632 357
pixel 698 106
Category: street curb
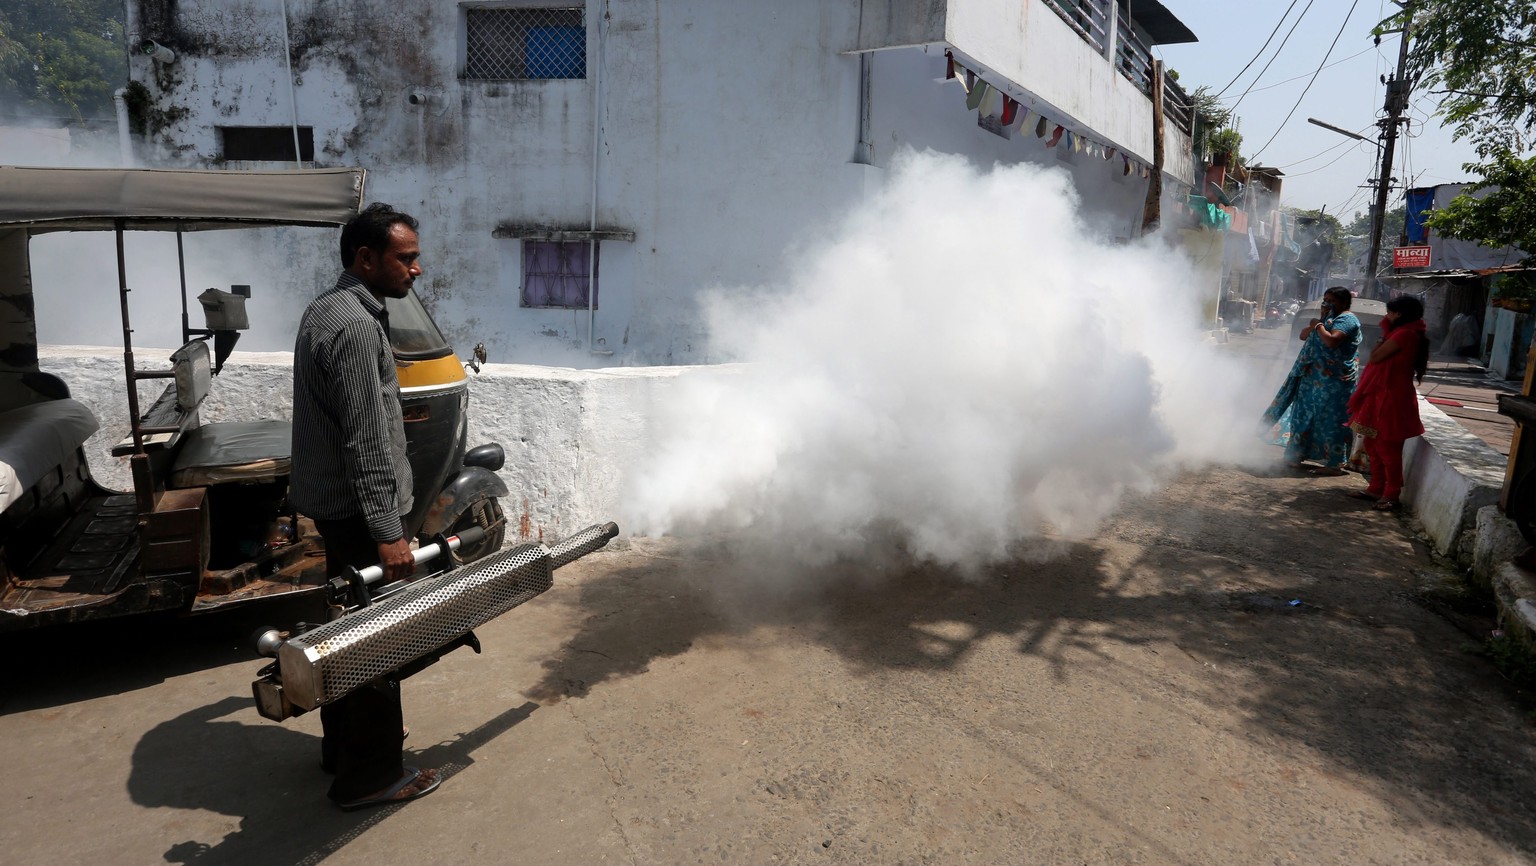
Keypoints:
pixel 1449 475
pixel 1515 593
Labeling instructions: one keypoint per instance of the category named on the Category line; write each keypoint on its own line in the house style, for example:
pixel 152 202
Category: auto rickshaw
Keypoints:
pixel 207 524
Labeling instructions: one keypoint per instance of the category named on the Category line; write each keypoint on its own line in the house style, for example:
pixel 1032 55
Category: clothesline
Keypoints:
pixel 1006 113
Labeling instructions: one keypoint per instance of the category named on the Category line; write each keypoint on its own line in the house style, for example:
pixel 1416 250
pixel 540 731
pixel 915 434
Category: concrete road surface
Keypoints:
pixel 1150 697
pixel 1246 668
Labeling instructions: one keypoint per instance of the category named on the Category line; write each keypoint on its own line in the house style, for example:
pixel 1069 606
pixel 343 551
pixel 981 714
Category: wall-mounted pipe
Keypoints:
pixel 596 70
pixel 293 100
pixel 124 143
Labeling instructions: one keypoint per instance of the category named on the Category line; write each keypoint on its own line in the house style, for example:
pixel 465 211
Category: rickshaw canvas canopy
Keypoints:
pixel 80 199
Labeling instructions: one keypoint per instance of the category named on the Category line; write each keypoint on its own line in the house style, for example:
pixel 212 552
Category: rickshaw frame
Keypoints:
pixel 164 562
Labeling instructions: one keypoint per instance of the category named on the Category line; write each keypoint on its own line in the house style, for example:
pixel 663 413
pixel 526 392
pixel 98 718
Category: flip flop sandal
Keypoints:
pixel 1388 505
pixel 392 795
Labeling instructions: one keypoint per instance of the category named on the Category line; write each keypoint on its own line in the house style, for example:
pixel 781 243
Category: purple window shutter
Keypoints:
pixel 555 274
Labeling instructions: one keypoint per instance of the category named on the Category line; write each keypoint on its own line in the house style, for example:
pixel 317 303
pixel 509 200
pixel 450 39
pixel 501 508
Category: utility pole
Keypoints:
pixel 1398 87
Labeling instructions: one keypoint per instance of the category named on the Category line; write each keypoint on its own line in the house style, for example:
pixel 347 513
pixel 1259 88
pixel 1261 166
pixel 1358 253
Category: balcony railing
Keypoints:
pixel 1177 106
pixel 1131 55
pixel 1090 18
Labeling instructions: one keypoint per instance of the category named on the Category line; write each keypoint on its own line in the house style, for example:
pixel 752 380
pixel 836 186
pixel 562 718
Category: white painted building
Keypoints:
pixel 691 142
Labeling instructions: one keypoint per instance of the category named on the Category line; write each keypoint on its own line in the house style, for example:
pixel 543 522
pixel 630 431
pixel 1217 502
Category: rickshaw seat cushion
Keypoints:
pixel 194 374
pixel 36 438
pixel 233 452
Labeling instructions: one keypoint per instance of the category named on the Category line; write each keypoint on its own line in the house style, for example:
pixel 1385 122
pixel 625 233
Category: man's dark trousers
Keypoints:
pixel 364 731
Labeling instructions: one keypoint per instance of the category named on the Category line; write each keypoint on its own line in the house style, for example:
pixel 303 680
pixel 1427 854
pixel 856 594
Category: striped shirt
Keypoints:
pixel 349 456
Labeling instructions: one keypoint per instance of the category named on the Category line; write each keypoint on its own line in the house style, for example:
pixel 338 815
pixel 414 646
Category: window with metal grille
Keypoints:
pixel 502 43
pixel 555 274
pixel 266 143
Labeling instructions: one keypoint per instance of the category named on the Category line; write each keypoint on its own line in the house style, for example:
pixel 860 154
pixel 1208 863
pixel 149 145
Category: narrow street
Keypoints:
pixel 1244 668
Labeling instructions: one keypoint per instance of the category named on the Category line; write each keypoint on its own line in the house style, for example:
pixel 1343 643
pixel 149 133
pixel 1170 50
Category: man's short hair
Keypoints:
pixel 371 229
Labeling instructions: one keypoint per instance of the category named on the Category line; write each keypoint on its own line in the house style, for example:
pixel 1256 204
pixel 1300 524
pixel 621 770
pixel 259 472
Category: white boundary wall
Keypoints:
pixel 569 434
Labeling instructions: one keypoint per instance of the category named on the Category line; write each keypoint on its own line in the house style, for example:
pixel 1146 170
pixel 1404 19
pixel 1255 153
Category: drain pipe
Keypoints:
pixel 597 125
pixel 293 101
pixel 124 144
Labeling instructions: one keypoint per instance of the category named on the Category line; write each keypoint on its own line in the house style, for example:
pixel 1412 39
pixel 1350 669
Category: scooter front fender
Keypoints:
pixel 471 483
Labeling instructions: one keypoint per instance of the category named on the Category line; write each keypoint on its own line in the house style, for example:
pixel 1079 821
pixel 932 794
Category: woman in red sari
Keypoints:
pixel 1385 407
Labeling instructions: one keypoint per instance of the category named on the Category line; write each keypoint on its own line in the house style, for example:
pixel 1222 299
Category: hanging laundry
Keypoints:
pixel 1041 127
pixel 949 65
pixel 969 81
pixel 1010 109
pixel 1055 137
pixel 989 102
pixel 978 93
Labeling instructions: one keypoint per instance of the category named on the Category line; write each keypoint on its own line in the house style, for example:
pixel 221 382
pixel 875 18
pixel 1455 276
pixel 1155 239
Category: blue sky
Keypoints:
pixel 1321 167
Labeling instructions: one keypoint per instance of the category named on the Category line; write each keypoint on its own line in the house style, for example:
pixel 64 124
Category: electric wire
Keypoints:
pixel 1260 52
pixel 1260 76
pixel 1304 90
pixel 1325 165
pixel 1304 75
pixel 1318 155
pixel 1323 152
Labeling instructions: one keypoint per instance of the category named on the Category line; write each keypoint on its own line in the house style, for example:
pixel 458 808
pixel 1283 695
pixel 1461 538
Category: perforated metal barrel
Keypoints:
pixel 324 664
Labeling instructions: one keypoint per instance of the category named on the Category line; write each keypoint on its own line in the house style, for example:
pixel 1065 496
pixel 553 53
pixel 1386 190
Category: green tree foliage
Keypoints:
pixel 1329 228
pixel 61 58
pixel 1505 216
pixel 1479 56
pixel 1357 234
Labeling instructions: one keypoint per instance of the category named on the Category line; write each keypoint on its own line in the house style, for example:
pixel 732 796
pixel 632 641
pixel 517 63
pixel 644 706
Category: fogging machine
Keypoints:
pixel 405 627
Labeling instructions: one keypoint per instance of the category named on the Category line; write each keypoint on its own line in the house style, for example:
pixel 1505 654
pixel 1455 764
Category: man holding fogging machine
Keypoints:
pixel 350 475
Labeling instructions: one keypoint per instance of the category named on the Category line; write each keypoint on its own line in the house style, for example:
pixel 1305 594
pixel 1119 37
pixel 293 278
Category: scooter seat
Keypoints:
pixel 234 452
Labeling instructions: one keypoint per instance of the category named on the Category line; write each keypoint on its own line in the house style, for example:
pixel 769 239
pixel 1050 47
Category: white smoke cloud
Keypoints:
pixel 962 363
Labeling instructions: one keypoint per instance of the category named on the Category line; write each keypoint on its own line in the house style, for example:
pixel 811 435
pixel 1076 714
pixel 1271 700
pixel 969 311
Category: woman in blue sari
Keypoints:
pixel 1312 406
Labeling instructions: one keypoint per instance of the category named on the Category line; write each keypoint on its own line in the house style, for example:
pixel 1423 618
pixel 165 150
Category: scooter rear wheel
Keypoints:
pixel 485 513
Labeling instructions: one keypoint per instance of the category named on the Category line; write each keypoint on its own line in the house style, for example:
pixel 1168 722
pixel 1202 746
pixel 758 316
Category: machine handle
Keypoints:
pixel 375 573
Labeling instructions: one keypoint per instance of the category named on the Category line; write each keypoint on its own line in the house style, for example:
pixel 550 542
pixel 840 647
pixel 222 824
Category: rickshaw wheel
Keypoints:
pixel 485 513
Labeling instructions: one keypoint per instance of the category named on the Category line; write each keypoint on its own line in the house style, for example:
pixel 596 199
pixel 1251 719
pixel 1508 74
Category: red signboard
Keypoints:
pixel 1410 257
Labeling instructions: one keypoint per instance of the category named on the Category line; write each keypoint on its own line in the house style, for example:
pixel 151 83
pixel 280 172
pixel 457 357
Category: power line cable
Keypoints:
pixel 1260 52
pixel 1317 155
pixel 1321 167
pixel 1303 75
pixel 1288 35
pixel 1304 90
pixel 1321 152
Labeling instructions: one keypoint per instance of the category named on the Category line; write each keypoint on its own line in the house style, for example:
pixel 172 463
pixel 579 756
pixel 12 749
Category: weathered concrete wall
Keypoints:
pixel 726 135
pixel 569 434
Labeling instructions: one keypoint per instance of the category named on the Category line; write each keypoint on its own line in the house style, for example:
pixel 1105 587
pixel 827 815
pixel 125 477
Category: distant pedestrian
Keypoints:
pixel 1385 408
pixel 1311 406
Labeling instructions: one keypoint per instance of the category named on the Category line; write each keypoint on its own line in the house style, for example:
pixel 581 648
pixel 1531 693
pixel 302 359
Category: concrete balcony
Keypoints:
pixel 1084 58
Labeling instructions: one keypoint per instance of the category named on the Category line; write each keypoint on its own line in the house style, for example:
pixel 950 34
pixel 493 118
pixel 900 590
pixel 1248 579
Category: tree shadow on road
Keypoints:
pixel 1305 599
